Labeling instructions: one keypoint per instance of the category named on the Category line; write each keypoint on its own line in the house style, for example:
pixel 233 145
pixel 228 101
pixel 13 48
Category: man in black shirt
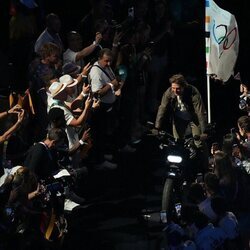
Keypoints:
pixel 41 157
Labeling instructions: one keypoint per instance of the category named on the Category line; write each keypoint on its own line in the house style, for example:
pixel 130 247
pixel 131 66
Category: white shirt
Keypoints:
pixel 98 79
pixel 45 37
pixel 50 101
pixel 181 111
pixel 72 135
pixel 70 56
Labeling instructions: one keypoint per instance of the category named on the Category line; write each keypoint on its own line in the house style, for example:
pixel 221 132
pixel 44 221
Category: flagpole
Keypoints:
pixel 208 100
pixel 207 48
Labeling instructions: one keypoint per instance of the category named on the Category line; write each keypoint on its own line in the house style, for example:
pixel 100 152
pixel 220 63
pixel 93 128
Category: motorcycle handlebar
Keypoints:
pixel 163 134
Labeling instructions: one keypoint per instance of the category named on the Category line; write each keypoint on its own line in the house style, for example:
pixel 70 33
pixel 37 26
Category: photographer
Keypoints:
pixel 104 83
pixel 244 98
pixel 20 215
pixel 244 135
pixel 59 94
pixel 70 158
pixel 42 158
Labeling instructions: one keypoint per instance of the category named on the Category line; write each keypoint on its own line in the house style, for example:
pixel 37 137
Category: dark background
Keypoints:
pixel 190 57
pixel 102 224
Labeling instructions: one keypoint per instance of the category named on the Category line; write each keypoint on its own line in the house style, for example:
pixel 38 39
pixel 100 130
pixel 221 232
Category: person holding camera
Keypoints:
pixel 244 135
pixel 59 94
pixel 244 98
pixel 103 83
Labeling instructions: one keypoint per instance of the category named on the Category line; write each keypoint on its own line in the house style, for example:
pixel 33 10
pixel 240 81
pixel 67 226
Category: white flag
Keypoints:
pixel 222 41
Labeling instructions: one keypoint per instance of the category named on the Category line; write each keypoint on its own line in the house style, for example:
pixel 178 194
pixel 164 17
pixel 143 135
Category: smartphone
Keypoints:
pixel 131 12
pixel 178 209
pixel 9 211
pixel 163 216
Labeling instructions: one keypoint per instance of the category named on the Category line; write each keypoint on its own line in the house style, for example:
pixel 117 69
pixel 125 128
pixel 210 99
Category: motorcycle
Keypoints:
pixel 185 163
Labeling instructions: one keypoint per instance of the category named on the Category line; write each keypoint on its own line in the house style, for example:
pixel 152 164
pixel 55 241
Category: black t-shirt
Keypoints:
pixel 41 160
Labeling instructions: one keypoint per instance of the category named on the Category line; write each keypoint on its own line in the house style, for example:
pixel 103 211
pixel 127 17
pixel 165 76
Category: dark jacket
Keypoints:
pixel 192 100
pixel 41 160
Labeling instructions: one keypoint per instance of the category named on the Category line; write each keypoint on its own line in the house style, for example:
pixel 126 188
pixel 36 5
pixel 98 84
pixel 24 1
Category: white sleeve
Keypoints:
pixel 69 56
pixel 38 45
pixel 68 116
pixel 96 79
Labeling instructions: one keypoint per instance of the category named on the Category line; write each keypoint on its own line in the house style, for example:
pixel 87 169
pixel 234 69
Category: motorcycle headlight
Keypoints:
pixel 174 159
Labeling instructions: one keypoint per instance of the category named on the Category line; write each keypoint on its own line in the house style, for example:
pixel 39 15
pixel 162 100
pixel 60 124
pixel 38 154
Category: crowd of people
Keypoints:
pixel 208 218
pixel 87 99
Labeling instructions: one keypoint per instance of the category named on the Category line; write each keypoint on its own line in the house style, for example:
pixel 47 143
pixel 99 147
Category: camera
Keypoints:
pixel 54 187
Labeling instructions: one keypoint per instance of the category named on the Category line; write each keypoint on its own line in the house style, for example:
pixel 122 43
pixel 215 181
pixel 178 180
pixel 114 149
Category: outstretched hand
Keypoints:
pixel 15 109
pixel 86 88
pixel 20 116
pixel 98 37
pixel 86 69
pixel 88 102
pixel 96 104
pixel 86 135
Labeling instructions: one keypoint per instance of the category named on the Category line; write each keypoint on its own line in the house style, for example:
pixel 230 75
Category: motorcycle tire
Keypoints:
pixel 167 193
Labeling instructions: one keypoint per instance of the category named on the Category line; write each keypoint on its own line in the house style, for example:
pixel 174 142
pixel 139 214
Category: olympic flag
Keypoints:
pixel 222 41
pixel 222 45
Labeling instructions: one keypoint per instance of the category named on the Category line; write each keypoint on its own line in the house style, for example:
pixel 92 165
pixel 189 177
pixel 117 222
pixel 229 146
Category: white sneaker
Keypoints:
pixel 127 149
pixel 106 165
pixel 108 157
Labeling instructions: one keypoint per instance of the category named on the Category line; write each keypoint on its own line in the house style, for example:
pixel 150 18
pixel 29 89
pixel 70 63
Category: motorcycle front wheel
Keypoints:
pixel 167 194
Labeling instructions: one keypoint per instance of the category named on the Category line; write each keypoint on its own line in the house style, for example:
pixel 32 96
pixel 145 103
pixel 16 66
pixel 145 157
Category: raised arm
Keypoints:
pixel 12 129
pixel 84 115
pixel 88 50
